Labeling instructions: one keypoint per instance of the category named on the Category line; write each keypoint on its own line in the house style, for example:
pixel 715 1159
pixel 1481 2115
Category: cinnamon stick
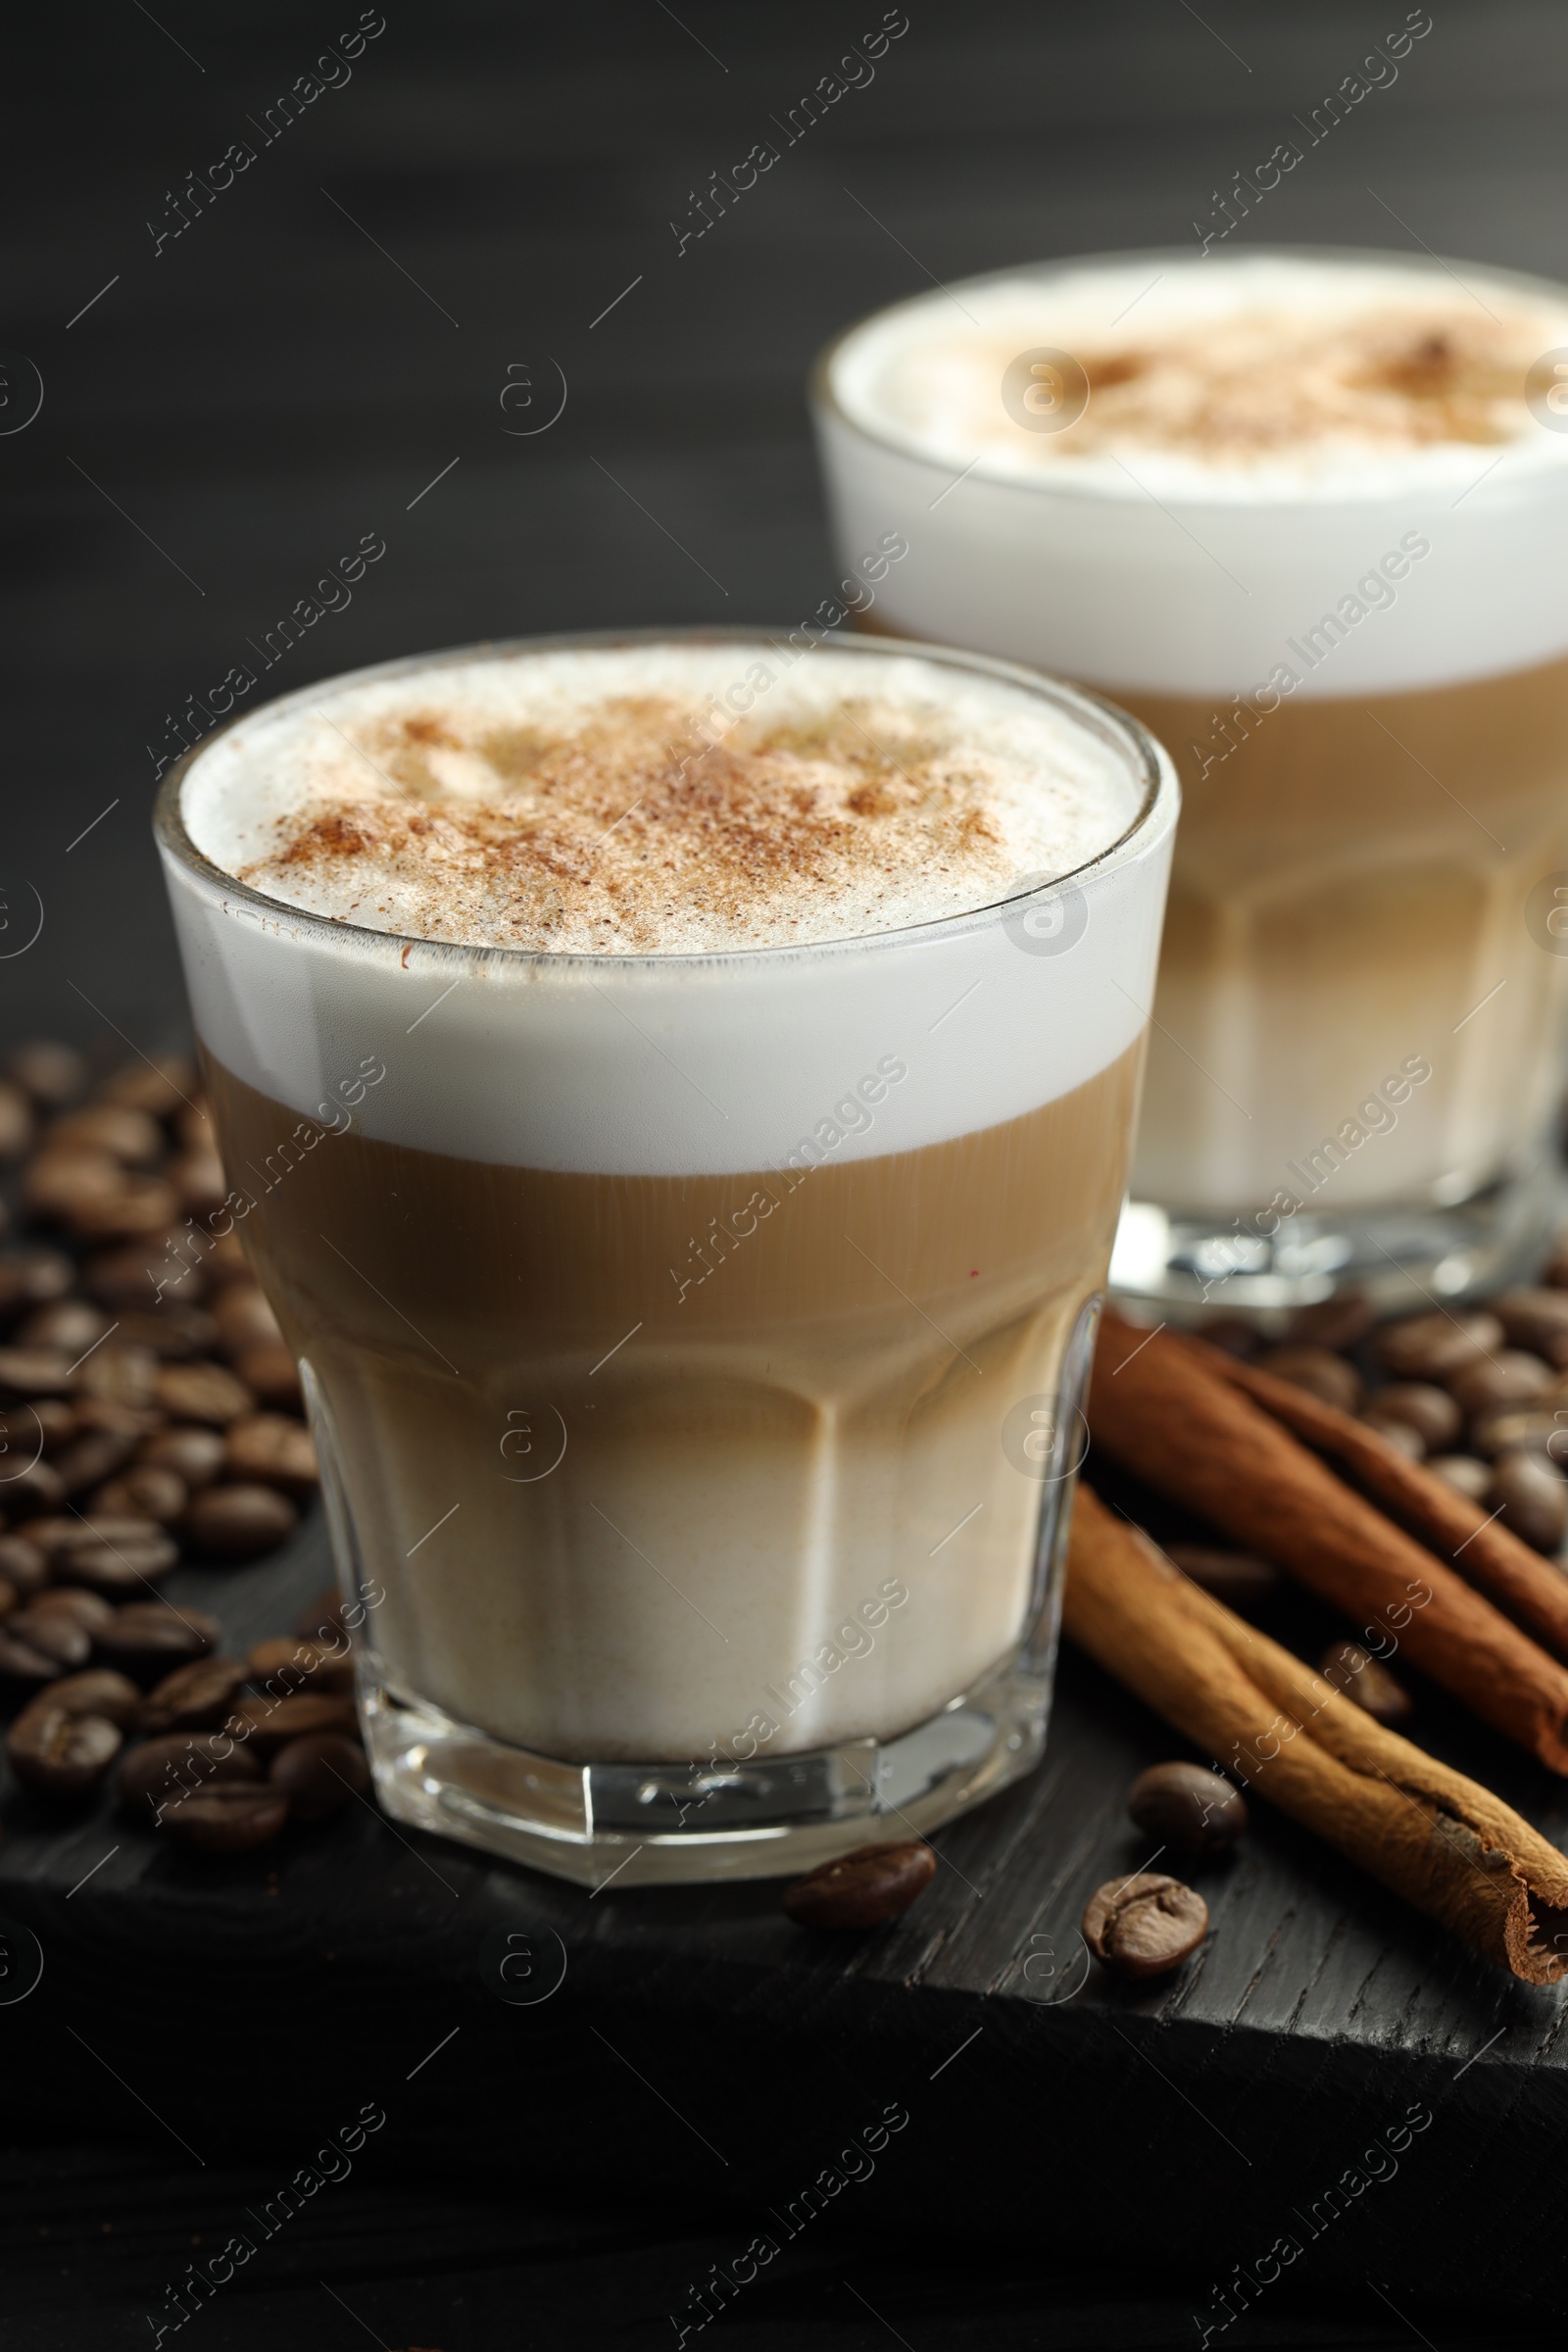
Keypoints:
pixel 1527 1587
pixel 1157 1406
pixel 1443 1841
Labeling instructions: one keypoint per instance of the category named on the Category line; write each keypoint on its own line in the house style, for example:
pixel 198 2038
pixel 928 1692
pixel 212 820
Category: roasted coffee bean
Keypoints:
pixel 52 1074
pixel 1393 1432
pixel 50 1418
pixel 276 1450
pixel 238 1523
pixel 1144 1925
pixel 161 1772
pixel 1436 1346
pixel 148 1638
pixel 24 1669
pixel 198 1177
pixel 119 1564
pixel 125 1279
pixel 1360 1677
pixel 135 1205
pixel 169 1331
pixel 1535 1320
pixel 34 1489
pixel 92 1457
pixel 1521 1429
pixel 1509 1378
pixel 193 1699
pixel 320 1774
pixel 58 1753
pixel 1340 1322
pixel 195 1456
pixel 194 1124
pixel 55 1632
pixel 99 1691
pixel 160 1085
pixel 290 1663
pixel 232 1817
pixel 22 1565
pixel 245 1320
pixel 862 1890
pixel 203 1393
pixel 1430 1411
pixel 137 1421
pixel 129 1136
pixel 31 1277
pixel 273 1374
pixel 1322 1374
pixel 226 1263
pixel 87 1609
pixel 66 1327
pixel 1186 1808
pixel 26 1372
pixel 264 1724
pixel 16 1121
pixel 1463 1472
pixel 146 1491
pixel 1240 1578
pixel 1532 1494
pixel 124 1376
pixel 63 1178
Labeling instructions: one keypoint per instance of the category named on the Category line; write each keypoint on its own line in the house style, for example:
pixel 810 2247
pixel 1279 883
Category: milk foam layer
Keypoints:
pixel 656 800
pixel 673 1064
pixel 1263 430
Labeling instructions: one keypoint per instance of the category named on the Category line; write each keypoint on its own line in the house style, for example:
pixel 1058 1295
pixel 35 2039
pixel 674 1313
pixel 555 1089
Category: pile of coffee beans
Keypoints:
pixel 216 1752
pixel 1479 1395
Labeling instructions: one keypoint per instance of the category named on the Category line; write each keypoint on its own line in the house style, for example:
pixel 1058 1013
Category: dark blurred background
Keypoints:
pixel 324 352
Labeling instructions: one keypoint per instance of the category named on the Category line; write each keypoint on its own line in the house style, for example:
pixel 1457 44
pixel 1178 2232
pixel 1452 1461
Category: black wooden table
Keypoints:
pixel 359 334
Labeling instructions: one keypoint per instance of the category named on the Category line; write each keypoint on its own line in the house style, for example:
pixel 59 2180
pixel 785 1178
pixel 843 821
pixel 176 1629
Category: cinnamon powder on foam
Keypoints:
pixel 624 833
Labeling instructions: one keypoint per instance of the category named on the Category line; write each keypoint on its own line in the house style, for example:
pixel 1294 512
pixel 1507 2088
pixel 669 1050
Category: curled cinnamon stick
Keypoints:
pixel 1527 1587
pixel 1444 1842
pixel 1158 1407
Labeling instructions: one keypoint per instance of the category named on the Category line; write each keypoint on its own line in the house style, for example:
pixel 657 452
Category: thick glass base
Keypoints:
pixel 1404 1255
pixel 665 1824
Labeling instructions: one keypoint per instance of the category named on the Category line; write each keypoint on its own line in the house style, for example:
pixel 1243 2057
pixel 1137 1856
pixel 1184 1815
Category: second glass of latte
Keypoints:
pixel 678 1093
pixel 1304 514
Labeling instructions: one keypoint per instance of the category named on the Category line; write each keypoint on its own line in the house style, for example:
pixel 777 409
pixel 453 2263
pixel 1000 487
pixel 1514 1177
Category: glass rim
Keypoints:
pixel 823 397
pixel 1144 756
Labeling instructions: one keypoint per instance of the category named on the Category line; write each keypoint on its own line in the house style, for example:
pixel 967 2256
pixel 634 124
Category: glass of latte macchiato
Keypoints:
pixel 1304 514
pixel 677 1093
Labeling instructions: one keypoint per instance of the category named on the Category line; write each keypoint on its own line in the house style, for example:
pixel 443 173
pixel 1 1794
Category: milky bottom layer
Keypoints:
pixel 651 1464
pixel 1359 1001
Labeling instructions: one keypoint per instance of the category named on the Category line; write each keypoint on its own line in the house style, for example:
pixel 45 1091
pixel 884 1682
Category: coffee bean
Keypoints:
pixel 148 1638
pixel 16 1121
pixel 1240 1578
pixel 161 1772
pixel 87 1609
pixel 50 1418
pixel 266 1724
pixel 1537 1319
pixel 320 1774
pixel 26 1372
pixel 291 1664
pixel 1393 1432
pixel 60 1754
pixel 863 1889
pixel 1144 1925
pixel 1510 1378
pixel 94 1457
pixel 203 1393
pixel 127 1376
pixel 1521 1429
pixel 124 1280
pixel 55 1633
pixel 277 1450
pixel 24 1669
pixel 117 1563
pixel 99 1691
pixel 31 1277
pixel 195 1456
pixel 1434 1348
pixel 169 1331
pixel 1429 1411
pixel 135 1205
pixel 272 1372
pixel 129 1136
pixel 194 1124
pixel 1187 1808
pixel 161 1086
pixel 1340 1322
pixel 193 1699
pixel 226 1263
pixel 144 1492
pixel 35 1489
pixel 66 1327
pixel 22 1564
pixel 1357 1676
pixel 1463 1472
pixel 138 1421
pixel 52 1074
pixel 232 1817
pixel 1531 1496
pixel 198 1177
pixel 1323 1375
pixel 240 1523
pixel 245 1320
pixel 63 1178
